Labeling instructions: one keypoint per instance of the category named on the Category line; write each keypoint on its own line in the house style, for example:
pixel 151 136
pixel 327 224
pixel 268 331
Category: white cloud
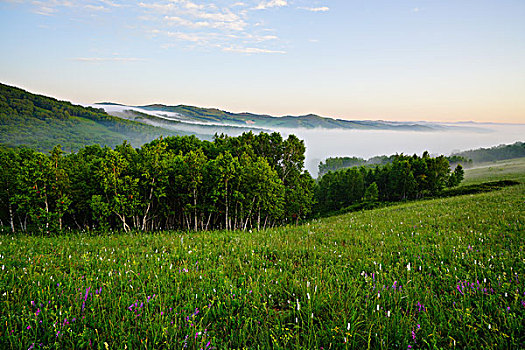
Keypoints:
pixel 229 25
pixel 251 50
pixel 52 7
pixel 96 8
pixel 271 3
pixel 110 3
pixel 238 25
pixel 316 9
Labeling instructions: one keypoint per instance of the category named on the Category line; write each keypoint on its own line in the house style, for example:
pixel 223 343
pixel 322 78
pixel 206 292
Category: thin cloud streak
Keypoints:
pixel 315 9
pixel 108 59
pixel 251 50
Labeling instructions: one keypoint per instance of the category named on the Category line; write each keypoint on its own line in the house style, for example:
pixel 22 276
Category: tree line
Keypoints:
pixel 406 177
pixel 252 181
pixel 338 163
pixel 501 152
pixel 178 182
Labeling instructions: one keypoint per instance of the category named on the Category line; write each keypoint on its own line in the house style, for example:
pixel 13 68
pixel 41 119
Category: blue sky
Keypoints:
pixel 445 60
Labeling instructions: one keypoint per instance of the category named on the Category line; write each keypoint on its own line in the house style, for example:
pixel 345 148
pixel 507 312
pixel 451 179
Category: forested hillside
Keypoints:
pixel 501 152
pixel 337 163
pixel 42 122
pixel 465 158
pixel 404 178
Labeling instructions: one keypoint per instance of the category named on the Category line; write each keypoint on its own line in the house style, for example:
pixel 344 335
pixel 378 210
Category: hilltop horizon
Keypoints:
pixel 444 61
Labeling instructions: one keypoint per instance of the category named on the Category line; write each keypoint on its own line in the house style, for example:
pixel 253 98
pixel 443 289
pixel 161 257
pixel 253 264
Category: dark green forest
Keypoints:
pixel 501 152
pixel 404 178
pixel 337 163
pixel 41 122
pixel 465 158
pixel 252 181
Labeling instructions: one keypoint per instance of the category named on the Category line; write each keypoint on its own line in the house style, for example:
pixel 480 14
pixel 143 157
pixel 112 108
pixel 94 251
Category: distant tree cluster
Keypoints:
pixel 250 181
pixel 465 158
pixel 502 152
pixel 337 163
pixel 456 159
pixel 407 177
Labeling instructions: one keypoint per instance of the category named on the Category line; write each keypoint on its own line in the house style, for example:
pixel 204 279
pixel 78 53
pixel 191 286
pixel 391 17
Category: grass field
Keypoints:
pixel 440 273
pixel 512 169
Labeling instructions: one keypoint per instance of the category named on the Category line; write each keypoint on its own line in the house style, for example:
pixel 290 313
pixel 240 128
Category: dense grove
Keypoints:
pixel 338 163
pixel 250 181
pixel 406 177
pixel 245 182
pixel 502 152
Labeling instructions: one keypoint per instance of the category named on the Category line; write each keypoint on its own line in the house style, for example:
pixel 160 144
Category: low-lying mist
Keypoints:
pixel 321 144
pixel 324 143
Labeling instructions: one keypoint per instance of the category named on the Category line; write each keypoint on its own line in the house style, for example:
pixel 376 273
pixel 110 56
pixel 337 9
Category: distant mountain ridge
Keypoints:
pixel 42 122
pixel 217 117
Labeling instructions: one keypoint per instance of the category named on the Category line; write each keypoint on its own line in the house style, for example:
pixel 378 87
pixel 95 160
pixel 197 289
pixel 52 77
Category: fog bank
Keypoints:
pixel 321 144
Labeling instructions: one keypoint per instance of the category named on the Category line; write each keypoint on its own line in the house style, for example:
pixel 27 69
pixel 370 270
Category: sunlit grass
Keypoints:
pixel 511 169
pixel 434 273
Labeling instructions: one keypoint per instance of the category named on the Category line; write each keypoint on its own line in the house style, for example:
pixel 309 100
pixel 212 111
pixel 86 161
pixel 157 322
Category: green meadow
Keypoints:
pixel 441 273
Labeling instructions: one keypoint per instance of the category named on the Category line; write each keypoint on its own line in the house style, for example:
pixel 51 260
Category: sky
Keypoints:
pixel 406 60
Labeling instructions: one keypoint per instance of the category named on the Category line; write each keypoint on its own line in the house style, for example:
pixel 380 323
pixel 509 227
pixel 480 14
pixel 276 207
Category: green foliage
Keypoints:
pixel 501 152
pixel 404 178
pixel 427 274
pixel 456 177
pixel 245 182
pixel 337 163
pixel 41 123
pixel 371 193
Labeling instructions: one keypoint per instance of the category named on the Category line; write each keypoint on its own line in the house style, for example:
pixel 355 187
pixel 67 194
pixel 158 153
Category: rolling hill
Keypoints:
pixel 42 122
pixel 176 116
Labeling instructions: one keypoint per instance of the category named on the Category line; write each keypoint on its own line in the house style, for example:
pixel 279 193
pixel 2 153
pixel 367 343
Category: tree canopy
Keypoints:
pixel 178 182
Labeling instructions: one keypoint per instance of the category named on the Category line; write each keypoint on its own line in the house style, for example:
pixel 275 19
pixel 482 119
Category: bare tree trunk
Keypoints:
pixel 249 214
pixel 195 207
pixel 226 220
pixel 11 221
pixel 149 206
pixel 187 221
pixel 259 219
pixel 47 214
pixel 124 224
pixel 207 223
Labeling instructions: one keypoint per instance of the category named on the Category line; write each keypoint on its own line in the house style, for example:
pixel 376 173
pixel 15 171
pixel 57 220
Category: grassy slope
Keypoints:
pixel 310 286
pixel 512 169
